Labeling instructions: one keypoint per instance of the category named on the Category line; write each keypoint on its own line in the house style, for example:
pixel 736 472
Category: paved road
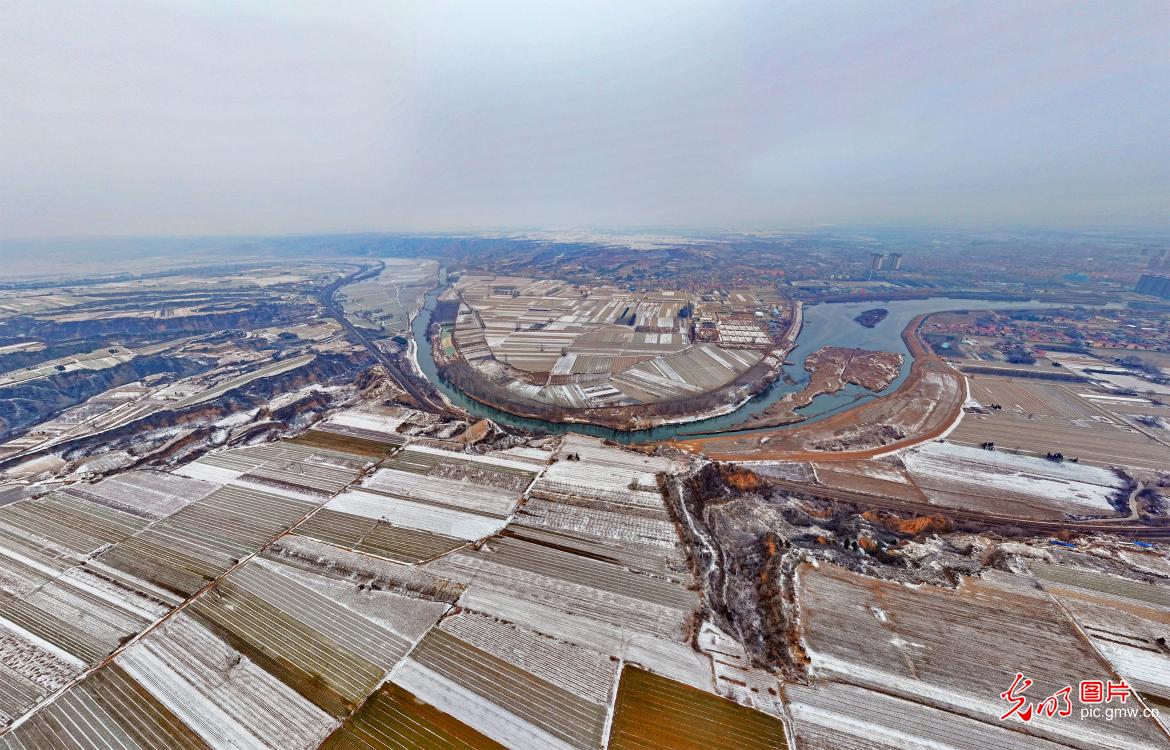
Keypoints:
pixel 399 374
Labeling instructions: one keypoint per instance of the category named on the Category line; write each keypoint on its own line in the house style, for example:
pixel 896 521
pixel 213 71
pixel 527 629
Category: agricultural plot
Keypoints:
pixel 948 650
pixel 82 615
pixel 420 515
pixel 400 598
pixel 437 463
pixel 272 653
pixel 91 565
pixel 374 536
pixel 424 502
pixel 605 540
pixel 1125 619
pixel 655 712
pixel 868 477
pixel 306 467
pixel 508 704
pixel 179 687
pixel 538 457
pixel 147 494
pixel 573 582
pixel 1082 422
pixel 64 526
pixel 454 494
pixel 201 542
pixel 307 579
pixel 583 672
pixel 311 465
pixel 380 436
pixel 1102 444
pixel 1037 399
pixel 554 343
pixel 608 477
pixel 590 577
pixel 833 716
pixel 109 710
pixel 394 719
pixel 219 692
pixel 700 368
pixel 25 565
pixel 365 443
pixel 589 574
pixel 32 669
pixel 327 653
pixel 1008 484
pixel 382 422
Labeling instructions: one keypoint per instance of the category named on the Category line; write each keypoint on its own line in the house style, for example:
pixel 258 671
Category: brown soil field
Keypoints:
pixel 393 718
pixel 655 712
pixel 476 432
pixel 869 477
pixel 358 446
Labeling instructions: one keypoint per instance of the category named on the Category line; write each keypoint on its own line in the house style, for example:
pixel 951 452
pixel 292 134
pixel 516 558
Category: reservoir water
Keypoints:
pixel 825 324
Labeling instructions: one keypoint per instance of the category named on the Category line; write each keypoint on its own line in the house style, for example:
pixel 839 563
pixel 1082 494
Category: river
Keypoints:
pixel 825 324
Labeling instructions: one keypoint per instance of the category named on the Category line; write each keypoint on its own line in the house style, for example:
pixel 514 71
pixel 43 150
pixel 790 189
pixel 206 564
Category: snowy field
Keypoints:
pixel 946 469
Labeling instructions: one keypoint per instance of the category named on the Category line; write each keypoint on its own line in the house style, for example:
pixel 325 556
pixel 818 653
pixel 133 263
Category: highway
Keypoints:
pixel 402 377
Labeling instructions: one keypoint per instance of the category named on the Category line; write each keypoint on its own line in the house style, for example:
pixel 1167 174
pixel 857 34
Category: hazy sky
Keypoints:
pixel 211 117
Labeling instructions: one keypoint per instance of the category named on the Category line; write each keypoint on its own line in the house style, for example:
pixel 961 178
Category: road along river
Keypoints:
pixel 825 324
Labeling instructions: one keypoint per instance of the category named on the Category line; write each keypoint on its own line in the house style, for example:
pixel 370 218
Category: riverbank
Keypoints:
pixel 820 325
pixel 927 405
pixel 830 369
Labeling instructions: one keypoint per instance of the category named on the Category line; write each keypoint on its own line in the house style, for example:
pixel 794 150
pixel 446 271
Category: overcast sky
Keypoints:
pixel 217 117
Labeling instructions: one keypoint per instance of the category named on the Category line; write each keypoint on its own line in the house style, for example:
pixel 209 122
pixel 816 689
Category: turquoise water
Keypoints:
pixel 825 324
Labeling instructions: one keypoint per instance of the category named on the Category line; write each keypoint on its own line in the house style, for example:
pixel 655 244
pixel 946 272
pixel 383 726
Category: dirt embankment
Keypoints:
pixel 830 369
pixel 925 406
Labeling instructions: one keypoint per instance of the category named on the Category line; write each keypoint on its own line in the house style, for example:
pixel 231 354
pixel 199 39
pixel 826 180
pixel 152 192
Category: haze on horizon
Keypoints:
pixel 185 117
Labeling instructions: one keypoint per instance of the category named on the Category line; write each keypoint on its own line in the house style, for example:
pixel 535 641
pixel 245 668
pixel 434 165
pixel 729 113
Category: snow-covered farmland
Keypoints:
pixel 947 473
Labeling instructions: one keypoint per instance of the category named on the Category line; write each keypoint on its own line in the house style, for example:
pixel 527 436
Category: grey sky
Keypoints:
pixel 217 117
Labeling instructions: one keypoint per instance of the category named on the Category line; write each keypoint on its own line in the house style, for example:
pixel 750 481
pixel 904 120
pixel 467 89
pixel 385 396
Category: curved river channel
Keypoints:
pixel 825 324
